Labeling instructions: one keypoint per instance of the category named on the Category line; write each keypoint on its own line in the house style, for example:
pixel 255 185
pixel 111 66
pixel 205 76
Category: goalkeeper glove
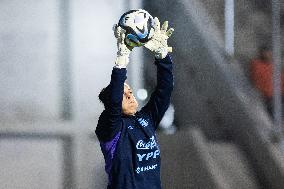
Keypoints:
pixel 123 52
pixel 158 43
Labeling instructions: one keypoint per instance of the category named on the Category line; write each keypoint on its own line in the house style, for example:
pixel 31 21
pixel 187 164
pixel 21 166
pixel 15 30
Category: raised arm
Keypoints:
pixel 110 121
pixel 160 98
pixel 118 78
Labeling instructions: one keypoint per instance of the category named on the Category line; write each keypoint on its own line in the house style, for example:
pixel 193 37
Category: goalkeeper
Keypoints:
pixel 127 136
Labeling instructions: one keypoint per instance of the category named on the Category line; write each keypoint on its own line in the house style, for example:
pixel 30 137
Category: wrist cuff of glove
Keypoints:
pixel 121 61
pixel 161 53
pixel 166 60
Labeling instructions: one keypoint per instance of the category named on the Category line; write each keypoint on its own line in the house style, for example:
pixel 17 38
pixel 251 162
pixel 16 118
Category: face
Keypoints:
pixel 129 103
pixel 267 55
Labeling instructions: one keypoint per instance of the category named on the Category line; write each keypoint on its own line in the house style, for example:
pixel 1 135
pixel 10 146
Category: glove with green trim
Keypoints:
pixel 158 43
pixel 124 51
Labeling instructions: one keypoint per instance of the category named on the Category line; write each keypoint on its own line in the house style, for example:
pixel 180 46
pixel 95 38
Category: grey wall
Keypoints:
pixel 30 90
pixel 30 47
pixel 29 58
pixel 18 167
pixel 94 51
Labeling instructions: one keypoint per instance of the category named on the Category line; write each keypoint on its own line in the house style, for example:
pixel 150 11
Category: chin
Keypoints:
pixel 131 112
pixel 134 112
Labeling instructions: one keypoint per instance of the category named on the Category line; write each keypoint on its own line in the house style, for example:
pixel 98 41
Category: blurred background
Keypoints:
pixel 223 129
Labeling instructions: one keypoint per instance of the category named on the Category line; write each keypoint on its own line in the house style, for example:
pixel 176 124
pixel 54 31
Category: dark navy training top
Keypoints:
pixel 129 143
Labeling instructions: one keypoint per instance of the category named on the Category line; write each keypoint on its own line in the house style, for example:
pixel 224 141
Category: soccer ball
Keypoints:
pixel 139 27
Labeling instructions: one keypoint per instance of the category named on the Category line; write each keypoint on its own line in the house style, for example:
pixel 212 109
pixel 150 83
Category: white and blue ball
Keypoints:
pixel 139 27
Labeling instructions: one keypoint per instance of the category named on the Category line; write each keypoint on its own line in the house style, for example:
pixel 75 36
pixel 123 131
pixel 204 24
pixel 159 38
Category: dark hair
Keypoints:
pixel 105 97
pixel 264 48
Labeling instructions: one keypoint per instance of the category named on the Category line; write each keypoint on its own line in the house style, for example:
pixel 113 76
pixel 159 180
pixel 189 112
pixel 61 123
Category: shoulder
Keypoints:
pixel 103 120
pixel 257 61
pixel 103 117
pixel 105 130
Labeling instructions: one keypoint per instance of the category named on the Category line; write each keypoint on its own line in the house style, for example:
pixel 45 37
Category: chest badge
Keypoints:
pixel 143 122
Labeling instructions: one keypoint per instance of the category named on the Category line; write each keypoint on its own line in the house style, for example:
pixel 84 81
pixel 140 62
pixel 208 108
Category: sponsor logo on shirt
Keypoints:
pixel 153 152
pixel 146 168
pixel 150 145
pixel 149 155
pixel 142 145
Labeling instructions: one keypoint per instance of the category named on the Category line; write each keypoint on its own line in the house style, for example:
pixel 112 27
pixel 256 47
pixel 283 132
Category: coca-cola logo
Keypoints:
pixel 141 145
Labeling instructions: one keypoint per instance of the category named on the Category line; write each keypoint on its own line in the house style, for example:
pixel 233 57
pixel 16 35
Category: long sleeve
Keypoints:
pixel 118 78
pixel 110 121
pixel 160 98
